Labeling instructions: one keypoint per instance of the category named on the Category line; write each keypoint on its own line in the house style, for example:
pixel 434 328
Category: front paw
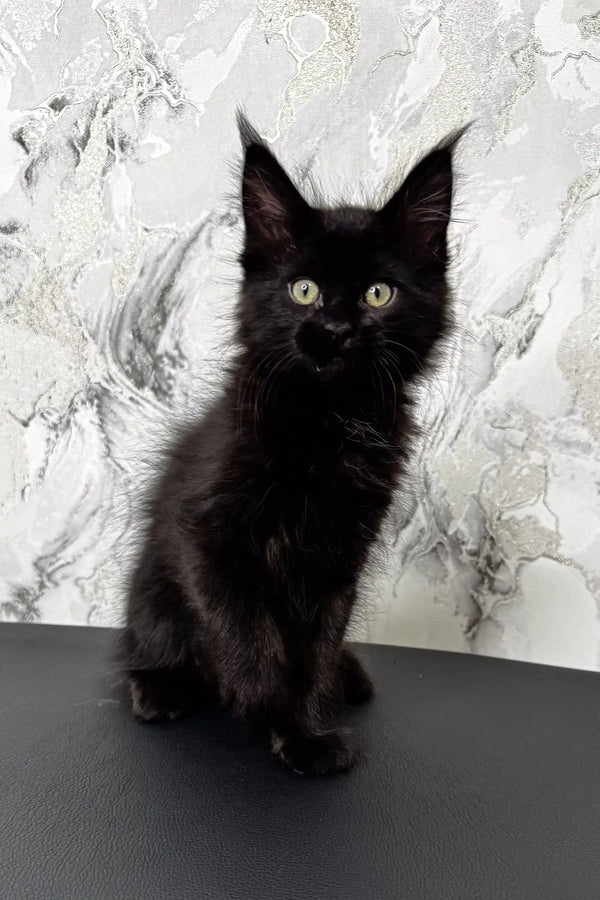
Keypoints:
pixel 317 754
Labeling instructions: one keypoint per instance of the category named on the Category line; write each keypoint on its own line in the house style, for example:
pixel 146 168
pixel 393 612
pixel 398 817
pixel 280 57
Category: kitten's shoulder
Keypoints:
pixel 195 454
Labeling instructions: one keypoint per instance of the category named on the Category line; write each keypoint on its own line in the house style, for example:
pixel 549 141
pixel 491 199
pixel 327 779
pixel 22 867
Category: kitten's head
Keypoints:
pixel 335 292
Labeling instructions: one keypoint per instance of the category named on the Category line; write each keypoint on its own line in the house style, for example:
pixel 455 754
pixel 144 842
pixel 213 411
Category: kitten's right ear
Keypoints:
pixel 272 206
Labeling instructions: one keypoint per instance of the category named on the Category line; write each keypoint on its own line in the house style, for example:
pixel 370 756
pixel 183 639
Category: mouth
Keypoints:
pixel 328 367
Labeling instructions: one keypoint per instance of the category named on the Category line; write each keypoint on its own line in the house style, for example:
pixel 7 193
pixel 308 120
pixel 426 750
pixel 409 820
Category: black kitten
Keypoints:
pixel 265 514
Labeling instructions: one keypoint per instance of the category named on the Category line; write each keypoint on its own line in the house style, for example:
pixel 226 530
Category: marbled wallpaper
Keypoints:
pixel 119 229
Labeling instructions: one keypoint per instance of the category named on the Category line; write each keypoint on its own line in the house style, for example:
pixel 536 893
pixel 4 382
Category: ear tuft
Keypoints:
pixel 419 211
pixel 248 133
pixel 273 208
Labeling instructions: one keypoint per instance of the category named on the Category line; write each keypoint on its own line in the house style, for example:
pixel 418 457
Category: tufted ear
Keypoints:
pixel 273 208
pixel 419 211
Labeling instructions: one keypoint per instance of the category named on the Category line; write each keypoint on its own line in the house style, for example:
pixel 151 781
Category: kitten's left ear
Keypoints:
pixel 272 206
pixel 419 212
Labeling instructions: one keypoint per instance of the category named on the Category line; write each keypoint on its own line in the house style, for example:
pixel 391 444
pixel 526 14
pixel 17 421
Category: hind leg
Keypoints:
pixel 357 686
pixel 160 656
pixel 159 694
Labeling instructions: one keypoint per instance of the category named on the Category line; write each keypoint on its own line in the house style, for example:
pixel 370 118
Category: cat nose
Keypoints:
pixel 338 331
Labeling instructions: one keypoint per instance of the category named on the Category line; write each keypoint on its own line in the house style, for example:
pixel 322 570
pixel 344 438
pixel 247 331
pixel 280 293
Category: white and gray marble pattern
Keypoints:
pixel 119 230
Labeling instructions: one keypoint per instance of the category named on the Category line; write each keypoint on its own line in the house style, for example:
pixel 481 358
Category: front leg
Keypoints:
pixel 305 740
pixel 249 662
pixel 294 692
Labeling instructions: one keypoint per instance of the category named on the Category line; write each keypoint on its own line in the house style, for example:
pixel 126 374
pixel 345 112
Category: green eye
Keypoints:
pixel 378 294
pixel 304 291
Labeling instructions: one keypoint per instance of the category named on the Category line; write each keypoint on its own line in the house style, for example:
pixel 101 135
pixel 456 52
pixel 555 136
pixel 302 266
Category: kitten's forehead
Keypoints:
pixel 346 242
pixel 349 219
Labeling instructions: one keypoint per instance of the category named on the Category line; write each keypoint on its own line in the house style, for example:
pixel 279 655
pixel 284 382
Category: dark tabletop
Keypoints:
pixel 480 778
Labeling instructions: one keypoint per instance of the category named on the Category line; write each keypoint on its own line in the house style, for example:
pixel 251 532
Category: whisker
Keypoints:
pixel 279 368
pixel 431 376
pixel 393 383
pixel 246 387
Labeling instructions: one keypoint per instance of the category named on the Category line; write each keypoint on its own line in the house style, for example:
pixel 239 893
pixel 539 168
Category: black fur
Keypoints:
pixel 264 517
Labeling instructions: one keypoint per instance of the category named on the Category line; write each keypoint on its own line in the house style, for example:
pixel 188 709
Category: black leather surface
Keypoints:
pixel 480 779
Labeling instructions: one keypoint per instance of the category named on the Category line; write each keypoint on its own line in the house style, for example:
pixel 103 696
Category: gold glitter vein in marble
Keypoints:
pixel 589 26
pixel 579 358
pixel 326 66
pixel 525 61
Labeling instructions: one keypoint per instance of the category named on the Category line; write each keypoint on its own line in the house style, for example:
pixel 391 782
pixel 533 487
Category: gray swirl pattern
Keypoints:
pixel 118 242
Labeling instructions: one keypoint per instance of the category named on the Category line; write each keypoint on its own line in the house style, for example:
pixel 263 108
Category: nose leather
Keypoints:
pixel 338 332
pixel 338 328
pixel 323 341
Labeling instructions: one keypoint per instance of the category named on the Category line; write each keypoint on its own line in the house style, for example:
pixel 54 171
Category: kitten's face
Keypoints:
pixel 348 292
